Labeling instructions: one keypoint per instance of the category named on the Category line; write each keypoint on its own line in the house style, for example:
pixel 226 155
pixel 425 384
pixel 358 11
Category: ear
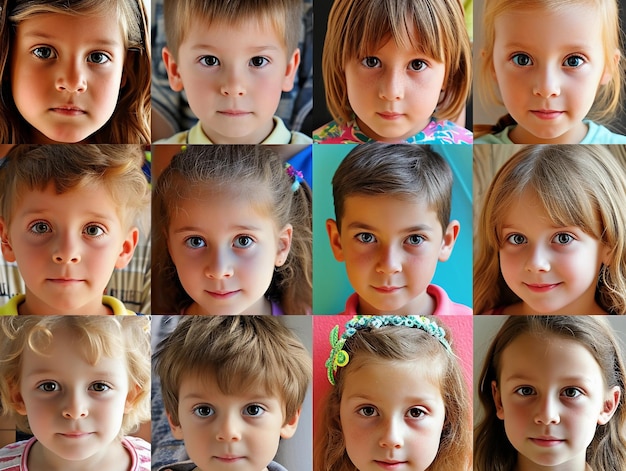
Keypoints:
pixel 173 75
pixel 449 238
pixel 497 400
pixel 290 72
pixel 335 239
pixel 5 242
pixel 284 245
pixel 128 248
pixel 16 399
pixel 607 76
pixel 289 428
pixel 131 398
pixel 177 430
pixel 610 405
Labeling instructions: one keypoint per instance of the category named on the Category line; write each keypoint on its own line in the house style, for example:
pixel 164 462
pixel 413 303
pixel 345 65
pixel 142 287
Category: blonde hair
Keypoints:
pixel 258 172
pixel 356 28
pixel 391 343
pixel 578 185
pixel 70 166
pixel 99 336
pixel 239 354
pixel 607 100
pixel 607 451
pixel 130 122
pixel 284 16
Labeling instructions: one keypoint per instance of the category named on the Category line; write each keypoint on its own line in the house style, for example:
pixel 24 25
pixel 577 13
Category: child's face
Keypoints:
pixel 554 270
pixel 66 247
pixel 233 76
pixel 66 74
pixel 394 92
pixel 74 409
pixel 551 397
pixel 225 251
pixel 390 247
pixel 392 428
pixel 226 431
pixel 548 67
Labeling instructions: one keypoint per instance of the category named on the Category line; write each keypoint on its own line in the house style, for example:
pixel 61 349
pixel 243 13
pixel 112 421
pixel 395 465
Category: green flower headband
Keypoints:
pixel 339 357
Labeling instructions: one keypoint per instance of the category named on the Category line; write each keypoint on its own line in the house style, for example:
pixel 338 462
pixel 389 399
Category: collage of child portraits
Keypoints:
pixel 313 235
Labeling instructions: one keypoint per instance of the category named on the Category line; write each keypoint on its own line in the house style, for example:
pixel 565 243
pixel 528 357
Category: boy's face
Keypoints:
pixel 391 247
pixel 66 247
pixel 75 409
pixel 226 431
pixel 233 76
pixel 65 88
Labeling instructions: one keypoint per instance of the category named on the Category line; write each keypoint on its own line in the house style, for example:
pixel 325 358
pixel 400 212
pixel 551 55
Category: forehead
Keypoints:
pixel 389 211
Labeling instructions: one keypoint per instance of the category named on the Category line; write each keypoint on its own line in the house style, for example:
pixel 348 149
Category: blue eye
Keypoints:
pixel 523 60
pixel 414 239
pixel 563 238
pixel 209 61
pixel 371 62
pixel 366 238
pixel 516 239
pixel 98 58
pixel 243 242
pixel 574 61
pixel 195 242
pixel 43 52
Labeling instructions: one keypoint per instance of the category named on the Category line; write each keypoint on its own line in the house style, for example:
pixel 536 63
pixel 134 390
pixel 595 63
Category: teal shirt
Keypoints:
pixel 597 134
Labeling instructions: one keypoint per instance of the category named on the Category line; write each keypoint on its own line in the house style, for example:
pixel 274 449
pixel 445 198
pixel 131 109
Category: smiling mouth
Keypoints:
pixel 541 287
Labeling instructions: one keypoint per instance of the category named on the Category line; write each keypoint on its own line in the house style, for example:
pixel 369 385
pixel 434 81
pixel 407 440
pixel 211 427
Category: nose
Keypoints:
pixel 392 84
pixel 233 83
pixel 538 259
pixel 71 77
pixel 75 406
pixel 547 84
pixel 219 265
pixel 389 261
pixel 229 429
pixel 67 251
pixel 547 411
pixel 392 433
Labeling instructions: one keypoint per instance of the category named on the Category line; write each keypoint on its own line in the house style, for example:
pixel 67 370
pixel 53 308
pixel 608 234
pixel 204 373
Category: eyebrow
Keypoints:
pixel 567 379
pixel 48 37
pixel 202 230
pixel 202 47
pixel 367 227
pixel 87 215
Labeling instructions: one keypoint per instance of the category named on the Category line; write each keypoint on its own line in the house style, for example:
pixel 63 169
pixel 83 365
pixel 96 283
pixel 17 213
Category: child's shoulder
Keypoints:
pixel 444 305
pixel 501 137
pixel 336 133
pixel 442 132
pixel 598 134
pixel 14 455
pixel 140 452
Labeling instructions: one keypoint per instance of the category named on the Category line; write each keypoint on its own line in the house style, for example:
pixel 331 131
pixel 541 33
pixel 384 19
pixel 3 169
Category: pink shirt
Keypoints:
pixel 443 305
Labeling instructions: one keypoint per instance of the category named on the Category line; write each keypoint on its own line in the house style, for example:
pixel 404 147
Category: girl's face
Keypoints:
pixel 392 428
pixel 394 92
pixel 551 397
pixel 66 74
pixel 553 269
pixel 548 66
pixel 225 250
pixel 74 408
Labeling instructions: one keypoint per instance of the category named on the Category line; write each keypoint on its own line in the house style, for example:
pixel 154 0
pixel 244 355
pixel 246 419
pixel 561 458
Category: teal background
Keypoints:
pixel 330 282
